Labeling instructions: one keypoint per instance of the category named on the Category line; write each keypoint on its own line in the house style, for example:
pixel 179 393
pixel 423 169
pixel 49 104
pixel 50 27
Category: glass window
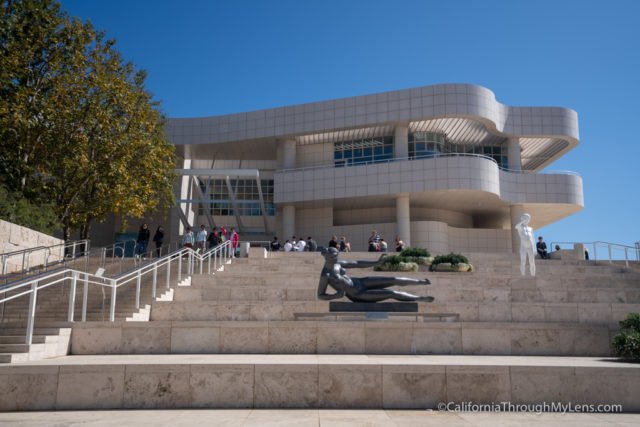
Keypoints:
pixel 362 151
pixel 247 197
pixel 425 144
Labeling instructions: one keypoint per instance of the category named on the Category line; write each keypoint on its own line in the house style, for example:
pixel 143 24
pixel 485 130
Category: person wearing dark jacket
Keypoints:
pixel 158 239
pixel 143 240
pixel 541 247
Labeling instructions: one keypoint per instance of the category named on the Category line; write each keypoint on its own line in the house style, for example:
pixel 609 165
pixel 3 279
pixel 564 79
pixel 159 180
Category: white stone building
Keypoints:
pixel 446 167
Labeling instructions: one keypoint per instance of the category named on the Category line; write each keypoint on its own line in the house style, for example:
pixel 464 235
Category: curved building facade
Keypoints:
pixel 445 167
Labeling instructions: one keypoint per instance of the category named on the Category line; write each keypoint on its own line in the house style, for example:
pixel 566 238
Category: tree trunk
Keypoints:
pixel 85 229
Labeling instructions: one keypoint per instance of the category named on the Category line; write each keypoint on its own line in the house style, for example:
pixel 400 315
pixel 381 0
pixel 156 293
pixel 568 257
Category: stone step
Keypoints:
pixel 313 381
pixel 19 339
pixel 13 357
pixel 13 329
pixel 248 293
pixel 343 337
pixel 473 311
pixel 465 280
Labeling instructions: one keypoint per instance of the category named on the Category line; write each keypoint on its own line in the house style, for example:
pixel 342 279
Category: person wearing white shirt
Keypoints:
pixel 201 239
pixel 300 246
pixel 288 246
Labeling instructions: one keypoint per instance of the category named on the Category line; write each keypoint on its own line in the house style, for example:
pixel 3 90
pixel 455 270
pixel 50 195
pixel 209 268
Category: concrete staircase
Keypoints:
pixel 231 340
pixel 46 342
pixel 51 318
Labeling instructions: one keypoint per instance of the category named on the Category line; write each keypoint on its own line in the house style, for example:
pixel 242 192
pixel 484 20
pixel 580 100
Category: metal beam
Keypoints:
pixel 207 210
pixel 234 203
pixel 250 173
pixel 262 205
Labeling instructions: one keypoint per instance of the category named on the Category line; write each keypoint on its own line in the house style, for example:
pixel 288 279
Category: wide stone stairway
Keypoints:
pixel 238 339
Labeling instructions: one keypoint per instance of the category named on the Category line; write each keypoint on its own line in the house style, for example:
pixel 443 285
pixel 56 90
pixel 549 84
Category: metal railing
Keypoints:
pixel 48 255
pixel 606 251
pixel 116 253
pixel 423 157
pixel 215 258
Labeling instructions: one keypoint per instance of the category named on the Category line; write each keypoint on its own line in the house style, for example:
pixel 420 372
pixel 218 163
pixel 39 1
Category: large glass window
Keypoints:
pixel 362 151
pixel 247 197
pixel 426 144
pixel 496 152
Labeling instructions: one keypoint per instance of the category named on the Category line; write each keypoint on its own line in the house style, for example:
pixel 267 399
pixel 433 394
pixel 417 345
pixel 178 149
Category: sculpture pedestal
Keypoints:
pixel 376 307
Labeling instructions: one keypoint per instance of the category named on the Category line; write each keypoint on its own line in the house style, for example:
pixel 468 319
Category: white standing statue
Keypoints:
pixel 527 244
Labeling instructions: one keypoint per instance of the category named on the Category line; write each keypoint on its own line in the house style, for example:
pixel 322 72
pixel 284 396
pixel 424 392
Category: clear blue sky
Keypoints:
pixel 211 57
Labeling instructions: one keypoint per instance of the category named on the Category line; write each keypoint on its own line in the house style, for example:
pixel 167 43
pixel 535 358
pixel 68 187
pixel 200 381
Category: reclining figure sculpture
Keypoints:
pixel 362 289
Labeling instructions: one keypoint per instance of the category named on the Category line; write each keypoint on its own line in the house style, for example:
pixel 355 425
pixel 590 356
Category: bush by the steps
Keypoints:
pixel 451 262
pixel 408 260
pixel 627 343
pixel 415 253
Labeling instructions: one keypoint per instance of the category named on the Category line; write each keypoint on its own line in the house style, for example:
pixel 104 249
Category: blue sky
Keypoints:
pixel 210 57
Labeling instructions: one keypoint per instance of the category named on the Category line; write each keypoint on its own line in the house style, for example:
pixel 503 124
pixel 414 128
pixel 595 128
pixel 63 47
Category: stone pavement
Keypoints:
pixel 332 418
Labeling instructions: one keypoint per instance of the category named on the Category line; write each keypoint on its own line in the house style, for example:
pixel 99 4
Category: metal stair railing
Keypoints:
pixel 61 251
pixel 32 285
pixel 609 249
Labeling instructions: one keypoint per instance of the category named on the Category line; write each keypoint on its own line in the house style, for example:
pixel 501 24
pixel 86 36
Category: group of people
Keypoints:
pixel 541 248
pixel 142 241
pixel 343 245
pixel 204 240
pixel 378 244
pixel 295 245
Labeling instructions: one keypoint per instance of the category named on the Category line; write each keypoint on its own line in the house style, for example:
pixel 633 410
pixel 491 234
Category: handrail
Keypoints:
pixel 27 252
pixel 421 157
pixel 220 254
pixel 610 247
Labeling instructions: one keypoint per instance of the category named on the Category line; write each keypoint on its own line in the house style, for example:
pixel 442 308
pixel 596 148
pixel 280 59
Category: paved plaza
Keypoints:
pixel 333 418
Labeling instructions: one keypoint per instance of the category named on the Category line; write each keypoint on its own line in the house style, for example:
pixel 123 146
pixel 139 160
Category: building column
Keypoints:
pixel 401 140
pixel 516 212
pixel 403 218
pixel 513 154
pixel 288 153
pixel 186 193
pixel 288 222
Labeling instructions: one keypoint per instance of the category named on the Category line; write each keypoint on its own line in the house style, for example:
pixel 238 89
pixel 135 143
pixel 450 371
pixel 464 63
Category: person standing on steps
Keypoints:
pixel 234 241
pixel 187 238
pixel 142 241
pixel 201 239
pixel 214 238
pixel 158 238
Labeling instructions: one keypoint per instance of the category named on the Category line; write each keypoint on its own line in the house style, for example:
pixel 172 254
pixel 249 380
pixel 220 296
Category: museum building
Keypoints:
pixel 446 167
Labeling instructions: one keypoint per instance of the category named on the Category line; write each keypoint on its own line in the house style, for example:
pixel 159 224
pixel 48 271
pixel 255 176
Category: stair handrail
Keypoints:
pixel 27 252
pixel 610 247
pixel 30 286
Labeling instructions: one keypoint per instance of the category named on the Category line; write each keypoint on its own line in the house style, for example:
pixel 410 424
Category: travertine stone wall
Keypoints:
pixel 14 237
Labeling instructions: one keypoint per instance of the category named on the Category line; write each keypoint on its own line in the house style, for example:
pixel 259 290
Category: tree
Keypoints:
pixel 77 124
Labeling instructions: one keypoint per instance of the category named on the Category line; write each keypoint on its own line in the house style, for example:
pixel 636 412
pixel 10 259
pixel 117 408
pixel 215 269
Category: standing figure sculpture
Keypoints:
pixel 362 289
pixel 527 244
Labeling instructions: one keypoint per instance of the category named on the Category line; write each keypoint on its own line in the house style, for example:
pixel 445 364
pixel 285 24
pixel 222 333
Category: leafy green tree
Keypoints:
pixel 78 126
pixel 21 211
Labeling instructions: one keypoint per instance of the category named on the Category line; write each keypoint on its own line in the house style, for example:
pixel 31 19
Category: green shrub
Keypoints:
pixel 415 253
pixel 627 342
pixel 632 322
pixel 397 266
pixel 451 258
